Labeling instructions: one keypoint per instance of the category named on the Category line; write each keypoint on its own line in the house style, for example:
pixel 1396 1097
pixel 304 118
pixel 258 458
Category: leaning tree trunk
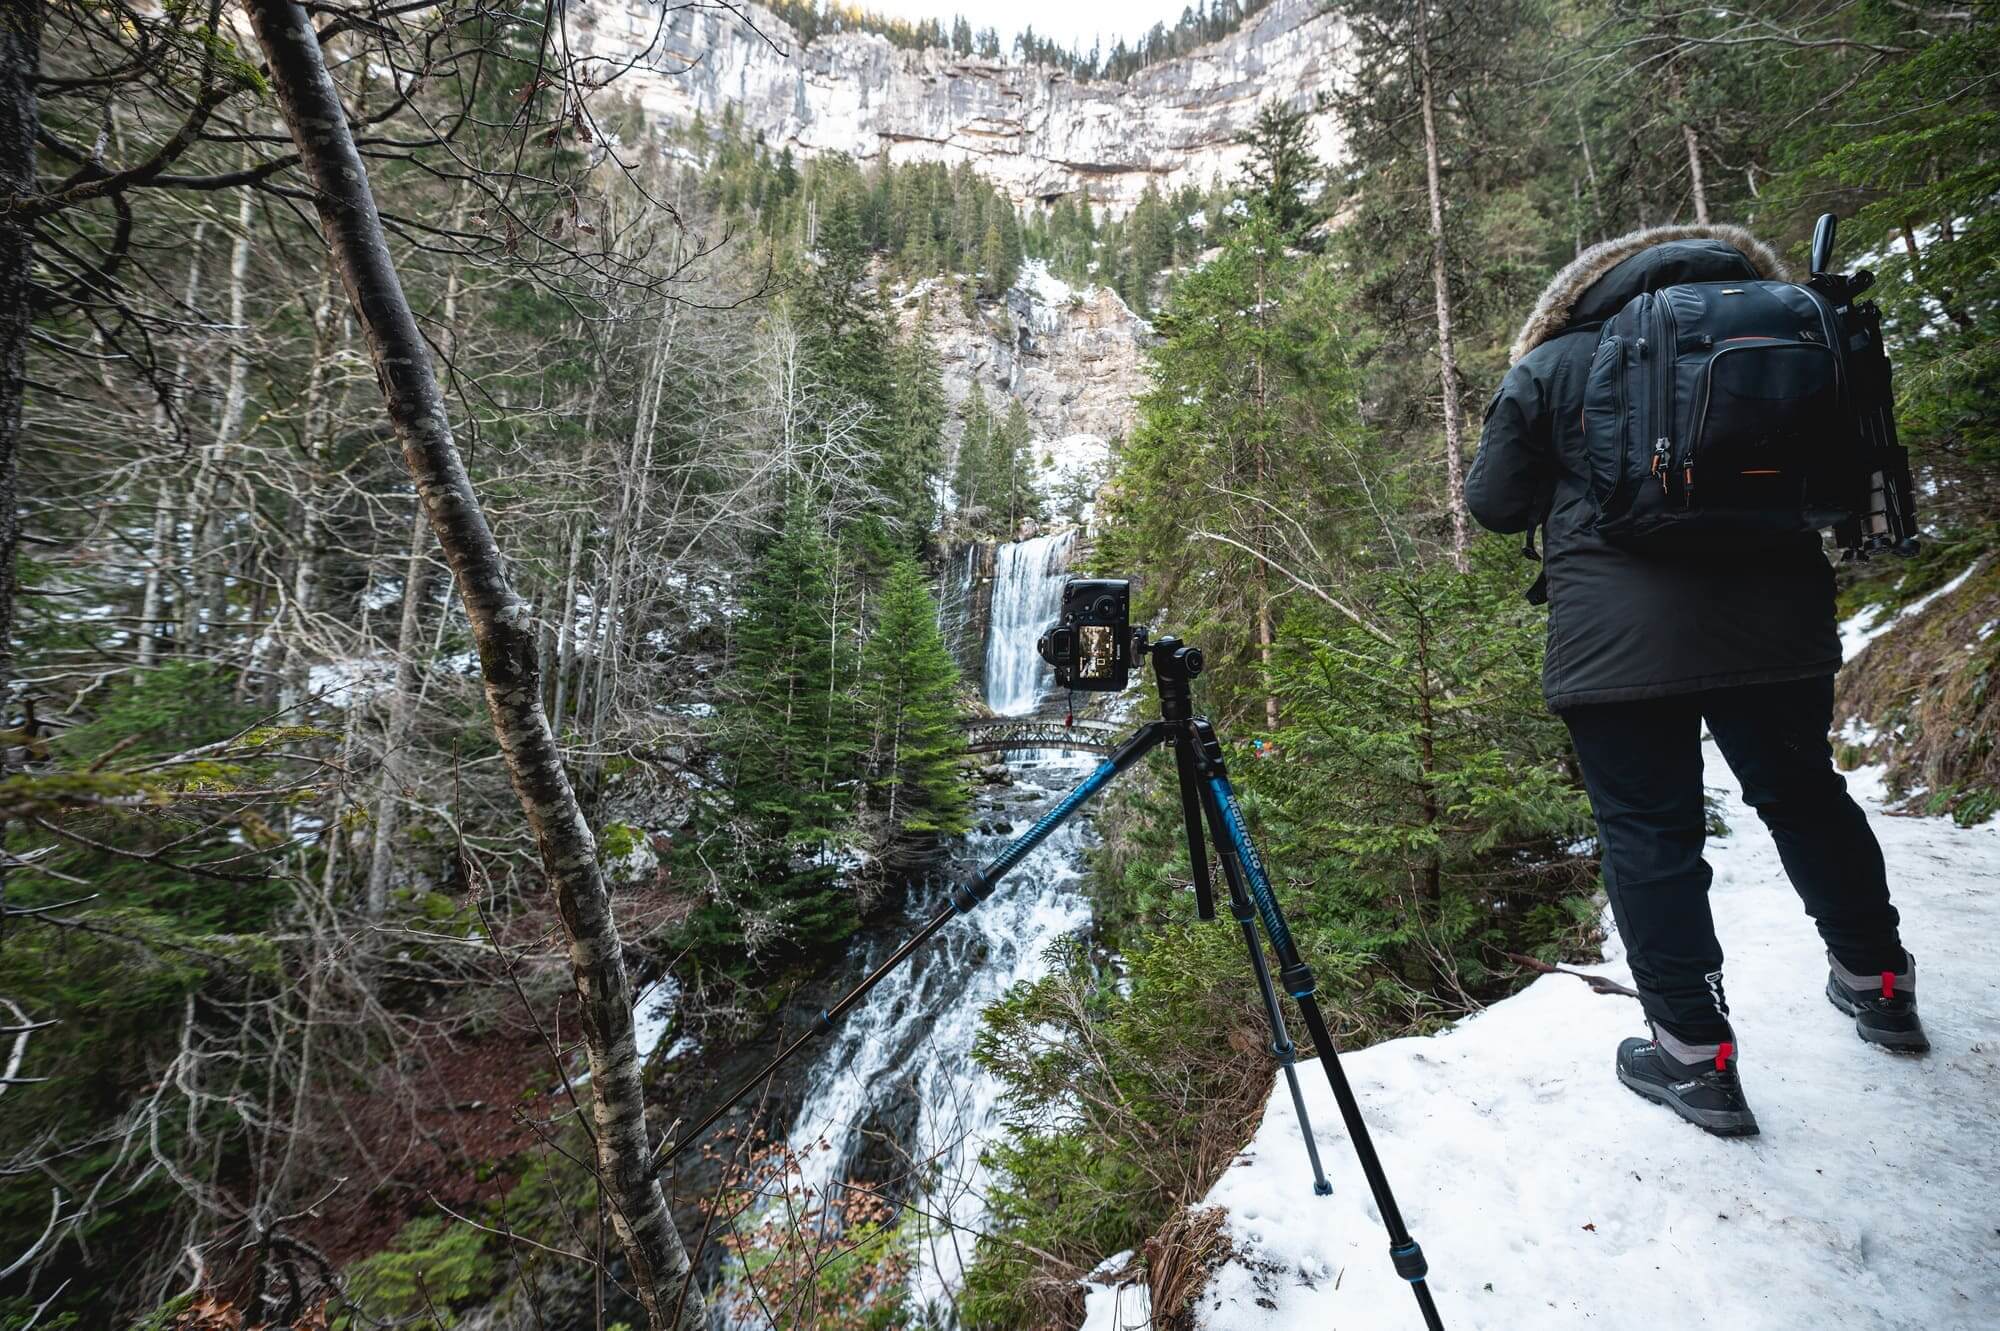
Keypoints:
pixel 503 633
pixel 20 60
pixel 1454 417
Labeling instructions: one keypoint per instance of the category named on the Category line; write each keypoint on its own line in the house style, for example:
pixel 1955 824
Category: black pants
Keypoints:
pixel 1642 766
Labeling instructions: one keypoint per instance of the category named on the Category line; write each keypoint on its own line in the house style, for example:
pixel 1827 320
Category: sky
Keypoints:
pixel 1072 22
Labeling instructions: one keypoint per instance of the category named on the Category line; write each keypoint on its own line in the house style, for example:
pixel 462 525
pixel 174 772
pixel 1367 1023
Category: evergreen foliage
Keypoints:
pixel 1200 23
pixel 791 751
pixel 916 777
pixel 1247 446
pixel 1281 175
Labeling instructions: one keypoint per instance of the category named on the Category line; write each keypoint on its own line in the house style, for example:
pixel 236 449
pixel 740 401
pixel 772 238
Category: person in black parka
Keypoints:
pixel 1642 649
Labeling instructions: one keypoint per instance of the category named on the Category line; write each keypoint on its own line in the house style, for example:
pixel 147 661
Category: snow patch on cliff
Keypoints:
pixel 1547 1195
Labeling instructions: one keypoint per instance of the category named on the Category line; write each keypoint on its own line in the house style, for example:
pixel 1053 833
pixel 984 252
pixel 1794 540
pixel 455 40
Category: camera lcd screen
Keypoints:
pixel 1096 651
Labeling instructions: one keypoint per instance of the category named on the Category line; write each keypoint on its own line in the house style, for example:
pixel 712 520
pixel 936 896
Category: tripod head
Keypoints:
pixel 1175 664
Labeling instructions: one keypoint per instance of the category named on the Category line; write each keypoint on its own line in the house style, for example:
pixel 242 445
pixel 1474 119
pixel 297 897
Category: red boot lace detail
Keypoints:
pixel 1888 984
pixel 1723 1053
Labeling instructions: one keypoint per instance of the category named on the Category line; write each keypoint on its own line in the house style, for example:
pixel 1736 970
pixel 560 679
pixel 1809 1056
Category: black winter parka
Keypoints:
pixel 1625 626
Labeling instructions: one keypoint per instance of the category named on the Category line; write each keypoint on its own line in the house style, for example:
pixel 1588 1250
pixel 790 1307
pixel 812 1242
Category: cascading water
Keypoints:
pixel 1027 596
pixel 900 1065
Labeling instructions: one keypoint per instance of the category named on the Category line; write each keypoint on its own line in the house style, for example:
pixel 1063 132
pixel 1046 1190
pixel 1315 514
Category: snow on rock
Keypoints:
pixel 1548 1196
pixel 1047 290
pixel 1073 356
pixel 1069 472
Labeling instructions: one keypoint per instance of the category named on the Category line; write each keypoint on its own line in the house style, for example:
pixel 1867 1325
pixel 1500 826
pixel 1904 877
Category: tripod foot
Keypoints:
pixel 1322 1189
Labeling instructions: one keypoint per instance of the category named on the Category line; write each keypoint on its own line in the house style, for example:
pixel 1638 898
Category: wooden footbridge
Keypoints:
pixel 1012 734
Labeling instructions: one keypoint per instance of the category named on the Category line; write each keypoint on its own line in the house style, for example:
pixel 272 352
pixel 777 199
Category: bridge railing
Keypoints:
pixel 1002 734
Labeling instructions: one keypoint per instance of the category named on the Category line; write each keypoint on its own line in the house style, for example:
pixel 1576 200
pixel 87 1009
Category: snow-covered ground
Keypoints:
pixel 1548 1196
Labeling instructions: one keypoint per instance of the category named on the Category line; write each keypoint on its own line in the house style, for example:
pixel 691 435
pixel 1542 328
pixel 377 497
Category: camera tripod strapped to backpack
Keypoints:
pixel 1732 415
pixel 1094 648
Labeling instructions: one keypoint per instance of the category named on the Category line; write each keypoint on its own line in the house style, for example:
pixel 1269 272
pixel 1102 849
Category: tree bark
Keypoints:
pixel 207 605
pixel 1454 417
pixel 20 59
pixel 153 603
pixel 396 732
pixel 502 629
pixel 1669 32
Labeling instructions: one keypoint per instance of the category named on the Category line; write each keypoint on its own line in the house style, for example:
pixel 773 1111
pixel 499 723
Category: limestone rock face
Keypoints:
pixel 1035 132
pixel 1075 357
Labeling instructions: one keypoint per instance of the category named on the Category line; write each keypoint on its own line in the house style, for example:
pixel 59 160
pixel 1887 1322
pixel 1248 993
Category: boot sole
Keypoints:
pixel 1898 1042
pixel 1716 1122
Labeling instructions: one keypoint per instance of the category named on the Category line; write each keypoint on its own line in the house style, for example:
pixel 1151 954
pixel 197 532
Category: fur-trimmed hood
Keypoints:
pixel 1566 291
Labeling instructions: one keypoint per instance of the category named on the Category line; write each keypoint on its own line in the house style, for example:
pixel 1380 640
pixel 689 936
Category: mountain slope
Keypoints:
pixel 1546 1195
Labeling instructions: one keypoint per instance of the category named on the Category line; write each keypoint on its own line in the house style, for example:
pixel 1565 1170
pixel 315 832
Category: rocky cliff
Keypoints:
pixel 1033 131
pixel 1074 356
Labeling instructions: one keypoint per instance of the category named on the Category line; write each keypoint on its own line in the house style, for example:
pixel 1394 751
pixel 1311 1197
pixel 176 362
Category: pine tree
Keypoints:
pixel 914 458
pixel 844 327
pixel 916 781
pixel 1011 471
pixel 1255 413
pixel 971 477
pixel 791 750
pixel 1281 168
pixel 993 276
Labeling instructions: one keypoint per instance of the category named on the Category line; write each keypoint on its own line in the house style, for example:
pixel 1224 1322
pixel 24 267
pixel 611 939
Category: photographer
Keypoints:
pixel 1643 648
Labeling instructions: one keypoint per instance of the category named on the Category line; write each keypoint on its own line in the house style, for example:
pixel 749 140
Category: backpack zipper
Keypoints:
pixel 1663 436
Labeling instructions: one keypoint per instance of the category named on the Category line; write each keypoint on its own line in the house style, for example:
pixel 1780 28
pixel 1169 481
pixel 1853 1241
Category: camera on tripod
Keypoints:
pixel 1091 645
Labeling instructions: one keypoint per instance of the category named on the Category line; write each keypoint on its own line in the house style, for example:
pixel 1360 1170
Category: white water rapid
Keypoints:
pixel 900 1066
pixel 1027 596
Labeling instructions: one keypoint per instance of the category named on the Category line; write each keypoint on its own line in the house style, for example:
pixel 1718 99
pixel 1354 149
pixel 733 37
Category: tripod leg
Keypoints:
pixel 1195 802
pixel 1281 1041
pixel 1184 764
pixel 1240 861
pixel 1403 1249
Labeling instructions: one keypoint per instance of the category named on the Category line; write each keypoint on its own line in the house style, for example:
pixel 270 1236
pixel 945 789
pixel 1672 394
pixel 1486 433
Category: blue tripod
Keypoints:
pixel 1207 800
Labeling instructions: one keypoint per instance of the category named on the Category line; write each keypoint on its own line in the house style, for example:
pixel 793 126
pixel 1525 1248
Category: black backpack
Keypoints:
pixel 1726 416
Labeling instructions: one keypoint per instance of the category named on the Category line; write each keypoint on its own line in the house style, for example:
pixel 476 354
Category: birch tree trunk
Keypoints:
pixel 157 554
pixel 502 630
pixel 1454 420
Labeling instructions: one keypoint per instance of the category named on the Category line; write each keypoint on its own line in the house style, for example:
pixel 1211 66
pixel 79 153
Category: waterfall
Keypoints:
pixel 898 1069
pixel 1027 596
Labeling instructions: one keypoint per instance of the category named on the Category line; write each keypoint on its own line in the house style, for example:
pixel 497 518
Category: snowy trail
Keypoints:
pixel 1547 1196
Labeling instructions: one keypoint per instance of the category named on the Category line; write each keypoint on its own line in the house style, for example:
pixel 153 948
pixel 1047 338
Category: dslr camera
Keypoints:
pixel 1091 645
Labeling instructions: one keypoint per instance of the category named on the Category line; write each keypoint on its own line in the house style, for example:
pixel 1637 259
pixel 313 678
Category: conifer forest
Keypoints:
pixel 502 585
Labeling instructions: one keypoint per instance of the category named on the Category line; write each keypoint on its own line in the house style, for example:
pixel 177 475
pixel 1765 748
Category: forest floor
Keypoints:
pixel 1547 1195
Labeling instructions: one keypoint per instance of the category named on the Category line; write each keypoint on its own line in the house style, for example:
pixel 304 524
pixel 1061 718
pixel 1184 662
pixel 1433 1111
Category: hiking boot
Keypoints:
pixel 1884 1005
pixel 1698 1082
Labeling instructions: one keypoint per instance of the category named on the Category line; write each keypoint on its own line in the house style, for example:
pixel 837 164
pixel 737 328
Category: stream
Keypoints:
pixel 894 1093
